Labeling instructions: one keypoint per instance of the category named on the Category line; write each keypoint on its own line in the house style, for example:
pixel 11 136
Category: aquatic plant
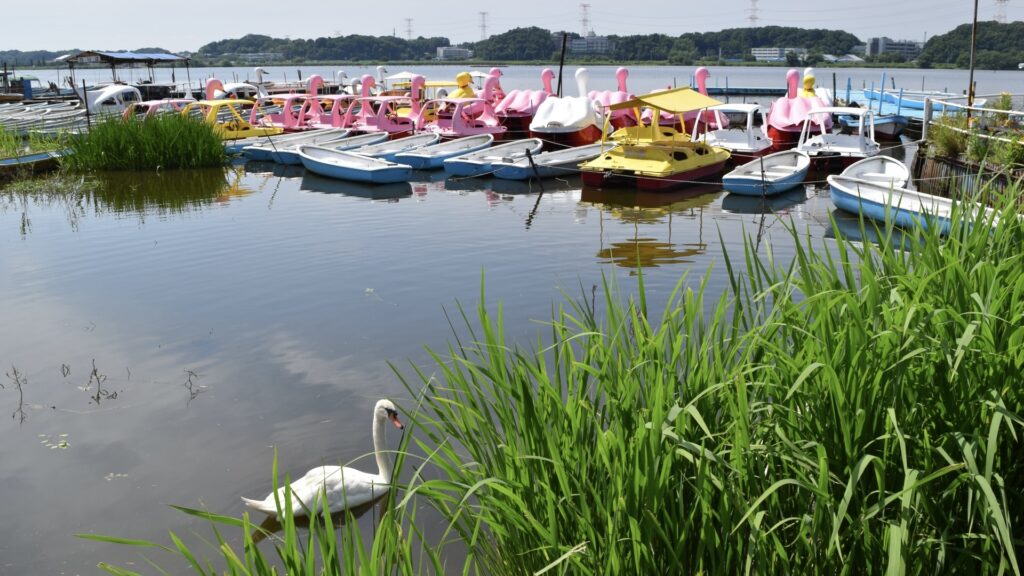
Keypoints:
pixel 948 137
pixel 166 141
pixel 857 409
pixel 15 144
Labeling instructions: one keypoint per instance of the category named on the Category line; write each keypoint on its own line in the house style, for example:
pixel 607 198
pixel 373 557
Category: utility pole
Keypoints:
pixel 753 18
pixel 483 25
pixel 970 80
pixel 408 28
pixel 585 18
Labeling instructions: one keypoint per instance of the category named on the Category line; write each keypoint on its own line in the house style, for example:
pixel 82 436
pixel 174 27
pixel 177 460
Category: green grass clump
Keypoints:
pixel 857 410
pixel 14 144
pixel 854 410
pixel 945 138
pixel 166 141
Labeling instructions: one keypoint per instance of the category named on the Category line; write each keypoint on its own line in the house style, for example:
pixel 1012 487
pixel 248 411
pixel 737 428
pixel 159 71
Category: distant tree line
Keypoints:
pixel 352 47
pixel 999 46
pixel 540 44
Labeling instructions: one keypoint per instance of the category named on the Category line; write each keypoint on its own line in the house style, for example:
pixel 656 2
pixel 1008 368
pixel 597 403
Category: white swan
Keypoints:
pixel 345 487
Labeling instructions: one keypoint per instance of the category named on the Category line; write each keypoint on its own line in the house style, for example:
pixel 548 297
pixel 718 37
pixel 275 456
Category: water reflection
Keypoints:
pixel 851 227
pixel 641 208
pixel 739 204
pixel 141 193
pixel 390 192
pixel 274 169
pixel 271 525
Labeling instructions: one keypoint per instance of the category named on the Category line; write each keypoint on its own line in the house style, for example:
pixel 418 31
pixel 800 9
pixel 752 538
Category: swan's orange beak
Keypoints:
pixel 394 420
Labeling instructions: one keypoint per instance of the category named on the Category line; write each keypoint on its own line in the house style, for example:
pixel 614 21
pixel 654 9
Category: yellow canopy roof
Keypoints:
pixel 677 101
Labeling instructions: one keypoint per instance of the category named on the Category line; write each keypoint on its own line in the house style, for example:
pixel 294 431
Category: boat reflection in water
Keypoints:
pixel 390 192
pixel 274 169
pixel 781 203
pixel 638 207
pixel 852 227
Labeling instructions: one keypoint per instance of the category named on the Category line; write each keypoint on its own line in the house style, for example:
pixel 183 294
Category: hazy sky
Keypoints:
pixel 115 24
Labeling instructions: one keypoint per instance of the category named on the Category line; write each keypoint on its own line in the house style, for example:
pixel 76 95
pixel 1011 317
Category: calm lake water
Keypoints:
pixel 165 332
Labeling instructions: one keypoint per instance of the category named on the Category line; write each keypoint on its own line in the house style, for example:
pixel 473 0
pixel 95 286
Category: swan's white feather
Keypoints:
pixel 344 487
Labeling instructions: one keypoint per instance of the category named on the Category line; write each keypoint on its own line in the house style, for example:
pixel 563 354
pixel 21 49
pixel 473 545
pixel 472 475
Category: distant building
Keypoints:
pixel 776 54
pixel 906 48
pixel 453 53
pixel 590 44
pixel 844 58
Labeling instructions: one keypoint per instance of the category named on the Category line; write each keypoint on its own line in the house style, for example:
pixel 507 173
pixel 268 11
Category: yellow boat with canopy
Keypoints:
pixel 228 118
pixel 654 156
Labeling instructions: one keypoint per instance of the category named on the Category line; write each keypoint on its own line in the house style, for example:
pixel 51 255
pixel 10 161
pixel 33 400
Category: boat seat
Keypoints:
pixel 876 175
pixel 778 173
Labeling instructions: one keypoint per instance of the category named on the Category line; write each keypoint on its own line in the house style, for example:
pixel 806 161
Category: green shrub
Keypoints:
pixel 945 138
pixel 166 141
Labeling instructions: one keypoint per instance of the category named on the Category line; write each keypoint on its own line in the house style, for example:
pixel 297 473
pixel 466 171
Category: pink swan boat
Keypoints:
pixel 518 107
pixel 389 114
pixel 569 121
pixel 330 111
pixel 787 114
pixel 292 112
pixel 618 118
pixel 695 117
pixel 456 117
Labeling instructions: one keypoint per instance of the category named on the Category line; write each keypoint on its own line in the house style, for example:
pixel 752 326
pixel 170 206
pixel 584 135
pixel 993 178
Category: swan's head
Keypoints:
pixel 385 409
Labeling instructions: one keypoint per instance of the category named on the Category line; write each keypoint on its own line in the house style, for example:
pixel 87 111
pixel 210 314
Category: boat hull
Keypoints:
pixel 746 186
pixel 783 139
pixel 377 175
pixel 876 211
pixel 558 140
pixel 424 162
pixel 32 163
pixel 625 179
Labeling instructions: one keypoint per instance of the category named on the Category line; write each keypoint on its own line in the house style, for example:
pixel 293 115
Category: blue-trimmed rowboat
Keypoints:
pixel 479 163
pixel 38 162
pixel 906 208
pixel 548 164
pixel 284 152
pixel 343 165
pixel 389 149
pixel 433 156
pixel 769 175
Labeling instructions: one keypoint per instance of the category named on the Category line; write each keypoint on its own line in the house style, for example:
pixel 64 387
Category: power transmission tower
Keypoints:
pixel 585 18
pixel 753 18
pixel 1001 11
pixel 483 25
pixel 408 28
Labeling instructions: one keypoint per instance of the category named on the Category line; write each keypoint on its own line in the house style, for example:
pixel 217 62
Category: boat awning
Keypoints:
pixel 676 101
pixel 404 75
pixel 115 58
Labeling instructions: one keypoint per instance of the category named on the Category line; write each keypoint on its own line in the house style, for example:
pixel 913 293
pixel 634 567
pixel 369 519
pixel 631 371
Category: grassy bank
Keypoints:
pixel 166 141
pixel 13 144
pixel 857 410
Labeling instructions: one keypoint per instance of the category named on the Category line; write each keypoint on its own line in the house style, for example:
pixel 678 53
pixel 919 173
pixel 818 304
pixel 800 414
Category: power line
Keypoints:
pixel 1001 11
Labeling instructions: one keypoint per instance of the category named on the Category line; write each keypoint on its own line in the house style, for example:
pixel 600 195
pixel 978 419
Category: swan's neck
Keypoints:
pixel 383 462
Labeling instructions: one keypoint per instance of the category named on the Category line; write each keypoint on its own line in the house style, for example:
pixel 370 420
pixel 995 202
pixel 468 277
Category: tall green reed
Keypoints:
pixel 856 410
pixel 853 410
pixel 166 141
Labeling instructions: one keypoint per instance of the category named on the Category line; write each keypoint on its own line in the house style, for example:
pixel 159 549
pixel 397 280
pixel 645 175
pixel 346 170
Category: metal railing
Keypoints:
pixel 980 118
